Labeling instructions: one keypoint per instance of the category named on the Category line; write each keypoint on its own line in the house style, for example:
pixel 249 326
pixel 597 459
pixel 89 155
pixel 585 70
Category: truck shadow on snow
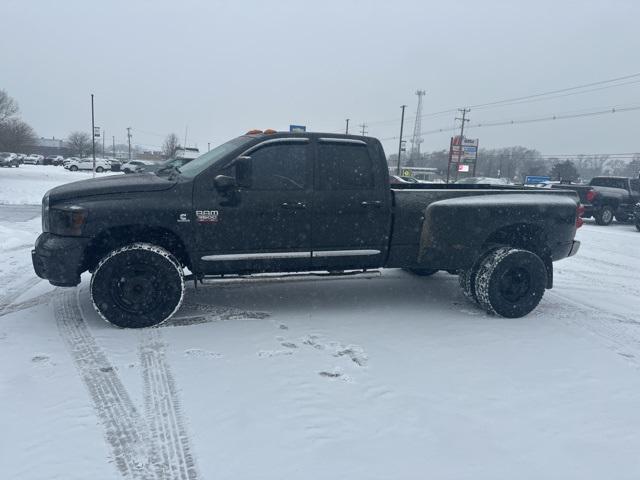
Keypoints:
pixel 259 298
pixel 262 297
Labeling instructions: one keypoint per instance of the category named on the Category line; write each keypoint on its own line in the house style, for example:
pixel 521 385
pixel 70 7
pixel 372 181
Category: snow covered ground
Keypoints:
pixel 384 376
pixel 28 183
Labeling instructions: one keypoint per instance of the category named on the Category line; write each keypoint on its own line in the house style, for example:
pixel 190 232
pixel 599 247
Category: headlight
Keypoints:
pixel 67 220
pixel 45 212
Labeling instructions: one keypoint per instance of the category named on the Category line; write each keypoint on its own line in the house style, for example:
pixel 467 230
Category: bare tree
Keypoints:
pixel 79 143
pixel 16 135
pixel 170 145
pixel 564 171
pixel 8 107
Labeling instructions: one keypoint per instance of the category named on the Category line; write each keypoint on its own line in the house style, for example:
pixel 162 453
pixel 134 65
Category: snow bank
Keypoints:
pixel 28 183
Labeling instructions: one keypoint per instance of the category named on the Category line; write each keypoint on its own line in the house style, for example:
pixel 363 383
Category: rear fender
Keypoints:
pixel 457 231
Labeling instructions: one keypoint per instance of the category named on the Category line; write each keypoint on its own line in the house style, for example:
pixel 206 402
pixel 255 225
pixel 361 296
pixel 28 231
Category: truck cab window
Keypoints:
pixel 344 167
pixel 279 167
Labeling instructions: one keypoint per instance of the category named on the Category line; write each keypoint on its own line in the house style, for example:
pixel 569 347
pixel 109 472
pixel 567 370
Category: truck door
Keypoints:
pixel 351 206
pixel 266 226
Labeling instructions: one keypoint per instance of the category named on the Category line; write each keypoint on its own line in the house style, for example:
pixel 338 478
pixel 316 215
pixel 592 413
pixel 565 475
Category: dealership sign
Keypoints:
pixel 463 152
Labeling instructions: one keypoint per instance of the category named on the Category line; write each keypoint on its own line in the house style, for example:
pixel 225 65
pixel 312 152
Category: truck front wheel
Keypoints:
pixel 604 215
pixel 136 286
pixel 510 282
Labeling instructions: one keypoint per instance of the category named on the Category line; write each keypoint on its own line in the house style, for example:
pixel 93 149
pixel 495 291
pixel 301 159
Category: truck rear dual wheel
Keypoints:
pixel 604 215
pixel 510 282
pixel 136 286
pixel 467 281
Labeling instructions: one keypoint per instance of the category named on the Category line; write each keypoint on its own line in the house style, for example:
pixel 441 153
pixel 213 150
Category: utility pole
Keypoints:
pixel 363 126
pixel 93 138
pixel 103 135
pixel 400 142
pixel 129 140
pixel 463 120
pixel 208 146
pixel 113 139
pixel 347 129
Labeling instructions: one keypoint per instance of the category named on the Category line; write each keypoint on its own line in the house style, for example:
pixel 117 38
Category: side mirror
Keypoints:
pixel 243 171
pixel 224 183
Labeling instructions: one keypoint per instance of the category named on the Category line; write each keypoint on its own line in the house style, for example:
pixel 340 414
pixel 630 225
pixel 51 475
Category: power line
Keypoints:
pixel 533 97
pixel 577 87
pixel 550 117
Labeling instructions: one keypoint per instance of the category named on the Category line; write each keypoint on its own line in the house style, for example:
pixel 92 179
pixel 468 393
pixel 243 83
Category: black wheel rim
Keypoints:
pixel 136 289
pixel 515 284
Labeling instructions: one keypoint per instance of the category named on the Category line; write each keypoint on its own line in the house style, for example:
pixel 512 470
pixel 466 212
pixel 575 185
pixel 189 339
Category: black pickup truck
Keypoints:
pixel 606 197
pixel 283 202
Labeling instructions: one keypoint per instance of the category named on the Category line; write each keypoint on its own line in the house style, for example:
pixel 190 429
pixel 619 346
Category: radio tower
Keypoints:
pixel 416 140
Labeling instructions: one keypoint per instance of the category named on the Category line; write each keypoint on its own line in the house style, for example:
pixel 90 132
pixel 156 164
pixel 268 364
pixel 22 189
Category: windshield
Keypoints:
pixel 194 167
pixel 609 182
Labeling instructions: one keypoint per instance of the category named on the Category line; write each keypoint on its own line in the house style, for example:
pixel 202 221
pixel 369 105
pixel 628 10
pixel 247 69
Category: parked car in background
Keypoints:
pixel 116 165
pixel 483 181
pixel 607 197
pixel 166 165
pixel 53 160
pixel 21 157
pixel 33 159
pixel 8 159
pixel 70 159
pixel 87 164
pixel 135 166
pixel 397 180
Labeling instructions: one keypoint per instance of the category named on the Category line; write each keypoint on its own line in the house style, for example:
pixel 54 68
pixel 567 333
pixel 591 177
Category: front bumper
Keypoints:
pixel 574 248
pixel 59 259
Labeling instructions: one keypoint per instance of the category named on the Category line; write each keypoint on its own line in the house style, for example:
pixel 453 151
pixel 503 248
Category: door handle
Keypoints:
pixel 294 205
pixel 375 204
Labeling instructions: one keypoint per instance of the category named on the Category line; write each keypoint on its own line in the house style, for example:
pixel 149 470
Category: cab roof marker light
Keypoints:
pixel 255 131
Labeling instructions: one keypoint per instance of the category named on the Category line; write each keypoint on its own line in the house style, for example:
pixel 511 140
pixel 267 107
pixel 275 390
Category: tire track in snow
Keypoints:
pixel 32 302
pixel 16 291
pixel 172 450
pixel 619 332
pixel 124 429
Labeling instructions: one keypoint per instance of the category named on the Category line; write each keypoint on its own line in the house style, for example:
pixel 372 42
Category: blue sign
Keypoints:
pixel 534 179
pixel 297 128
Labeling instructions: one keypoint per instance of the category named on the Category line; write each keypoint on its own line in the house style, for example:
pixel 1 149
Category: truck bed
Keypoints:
pixel 444 225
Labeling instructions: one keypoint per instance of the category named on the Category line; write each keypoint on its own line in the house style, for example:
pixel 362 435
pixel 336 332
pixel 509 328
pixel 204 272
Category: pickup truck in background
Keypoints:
pixel 607 197
pixel 296 202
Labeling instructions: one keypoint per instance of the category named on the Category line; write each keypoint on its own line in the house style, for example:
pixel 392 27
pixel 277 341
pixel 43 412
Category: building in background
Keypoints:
pixel 49 146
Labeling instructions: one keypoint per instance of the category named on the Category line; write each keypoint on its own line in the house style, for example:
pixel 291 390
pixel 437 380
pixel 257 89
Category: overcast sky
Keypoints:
pixel 221 68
